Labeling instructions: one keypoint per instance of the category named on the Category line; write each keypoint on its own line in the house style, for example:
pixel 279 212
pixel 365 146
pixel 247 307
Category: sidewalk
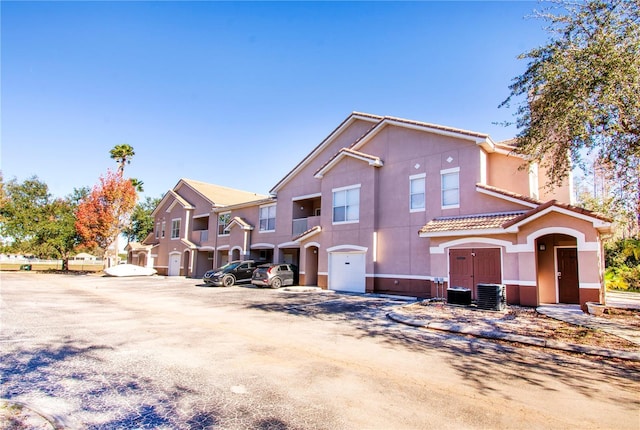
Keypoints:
pixel 571 314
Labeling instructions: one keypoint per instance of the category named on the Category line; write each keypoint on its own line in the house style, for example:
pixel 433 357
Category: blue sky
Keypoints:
pixel 237 93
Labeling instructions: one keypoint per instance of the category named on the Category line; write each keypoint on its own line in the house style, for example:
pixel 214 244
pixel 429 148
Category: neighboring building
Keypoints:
pixel 404 207
pixel 139 254
pixel 181 243
pixel 84 256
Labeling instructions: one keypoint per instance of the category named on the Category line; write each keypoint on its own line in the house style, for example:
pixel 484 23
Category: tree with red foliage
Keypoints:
pixel 106 211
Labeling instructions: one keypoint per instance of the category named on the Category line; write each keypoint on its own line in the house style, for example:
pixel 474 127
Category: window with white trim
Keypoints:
pixel 223 221
pixel 164 227
pixel 268 218
pixel 175 228
pixel 157 232
pixel 417 192
pixel 450 187
pixel 346 204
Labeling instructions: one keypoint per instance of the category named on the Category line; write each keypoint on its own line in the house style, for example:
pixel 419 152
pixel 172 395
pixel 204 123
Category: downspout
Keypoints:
pixel 215 241
pixel 247 242
pixel 193 253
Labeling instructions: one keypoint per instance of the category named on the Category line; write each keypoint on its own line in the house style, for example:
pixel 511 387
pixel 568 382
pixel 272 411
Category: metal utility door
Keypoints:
pixel 472 266
pixel 568 285
pixel 174 265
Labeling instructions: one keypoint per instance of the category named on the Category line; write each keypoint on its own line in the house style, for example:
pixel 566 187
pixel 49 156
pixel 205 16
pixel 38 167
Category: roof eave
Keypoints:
pixel 371 161
pixel 467 232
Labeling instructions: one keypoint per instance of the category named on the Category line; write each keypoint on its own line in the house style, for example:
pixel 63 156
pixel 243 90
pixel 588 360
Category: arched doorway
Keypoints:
pixel 311 265
pixel 557 269
pixel 187 265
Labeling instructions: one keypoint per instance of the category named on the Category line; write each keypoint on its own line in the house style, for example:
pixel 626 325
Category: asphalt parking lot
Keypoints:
pixel 169 353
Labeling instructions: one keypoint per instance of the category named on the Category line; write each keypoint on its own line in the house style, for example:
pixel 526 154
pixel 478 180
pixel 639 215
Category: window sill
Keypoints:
pixel 345 222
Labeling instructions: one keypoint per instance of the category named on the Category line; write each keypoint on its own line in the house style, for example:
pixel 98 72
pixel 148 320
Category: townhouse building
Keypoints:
pixel 396 206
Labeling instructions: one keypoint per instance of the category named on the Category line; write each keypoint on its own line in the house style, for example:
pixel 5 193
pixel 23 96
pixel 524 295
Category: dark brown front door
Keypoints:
pixel 470 267
pixel 461 268
pixel 568 289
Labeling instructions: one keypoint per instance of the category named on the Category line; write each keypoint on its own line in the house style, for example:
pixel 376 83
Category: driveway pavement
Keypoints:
pixel 165 353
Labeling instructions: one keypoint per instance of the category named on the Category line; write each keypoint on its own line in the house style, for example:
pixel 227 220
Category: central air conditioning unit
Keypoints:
pixel 459 296
pixel 491 297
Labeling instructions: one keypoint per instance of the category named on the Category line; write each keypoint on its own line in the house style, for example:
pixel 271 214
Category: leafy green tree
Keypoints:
pixel 580 93
pixel 56 235
pixel 141 220
pixel 622 258
pixel 22 211
pixel 35 223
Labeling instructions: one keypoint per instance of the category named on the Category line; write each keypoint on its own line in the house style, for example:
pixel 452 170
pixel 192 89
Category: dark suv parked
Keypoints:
pixel 275 275
pixel 231 273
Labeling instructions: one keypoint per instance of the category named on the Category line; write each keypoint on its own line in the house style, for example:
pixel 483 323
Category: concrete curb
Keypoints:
pixel 56 422
pixel 526 340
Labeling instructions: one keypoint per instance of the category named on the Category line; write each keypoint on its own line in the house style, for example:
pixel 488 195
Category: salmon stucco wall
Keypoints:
pixel 505 172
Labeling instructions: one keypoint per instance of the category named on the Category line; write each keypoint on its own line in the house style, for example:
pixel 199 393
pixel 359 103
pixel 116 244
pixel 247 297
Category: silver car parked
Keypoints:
pixel 275 275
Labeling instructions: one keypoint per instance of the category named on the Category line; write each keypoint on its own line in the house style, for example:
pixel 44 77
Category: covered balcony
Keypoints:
pixel 306 213
pixel 200 233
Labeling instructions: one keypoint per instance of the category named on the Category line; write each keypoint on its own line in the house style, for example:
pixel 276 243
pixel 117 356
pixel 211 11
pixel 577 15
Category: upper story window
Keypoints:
pixel 450 188
pixel 417 192
pixel 223 221
pixel 164 227
pixel 346 204
pixel 268 218
pixel 175 228
pixel 157 231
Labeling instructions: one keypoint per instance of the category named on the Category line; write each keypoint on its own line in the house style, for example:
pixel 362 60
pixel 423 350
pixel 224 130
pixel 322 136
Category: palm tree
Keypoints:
pixel 122 153
pixel 137 184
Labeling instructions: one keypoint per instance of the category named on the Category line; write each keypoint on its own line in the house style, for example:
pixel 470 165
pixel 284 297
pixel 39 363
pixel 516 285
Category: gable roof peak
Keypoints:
pixel 219 194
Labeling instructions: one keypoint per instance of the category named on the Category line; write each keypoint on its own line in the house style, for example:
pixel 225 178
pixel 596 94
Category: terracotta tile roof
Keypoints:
pixel 511 194
pixel 470 222
pixel 371 159
pixel 509 143
pixel 551 203
pixel 436 126
pixel 307 234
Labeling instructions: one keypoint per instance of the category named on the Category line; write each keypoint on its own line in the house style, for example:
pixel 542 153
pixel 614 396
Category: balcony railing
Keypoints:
pixel 300 225
pixel 200 236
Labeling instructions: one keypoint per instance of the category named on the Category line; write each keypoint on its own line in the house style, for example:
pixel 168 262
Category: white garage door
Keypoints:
pixel 347 271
